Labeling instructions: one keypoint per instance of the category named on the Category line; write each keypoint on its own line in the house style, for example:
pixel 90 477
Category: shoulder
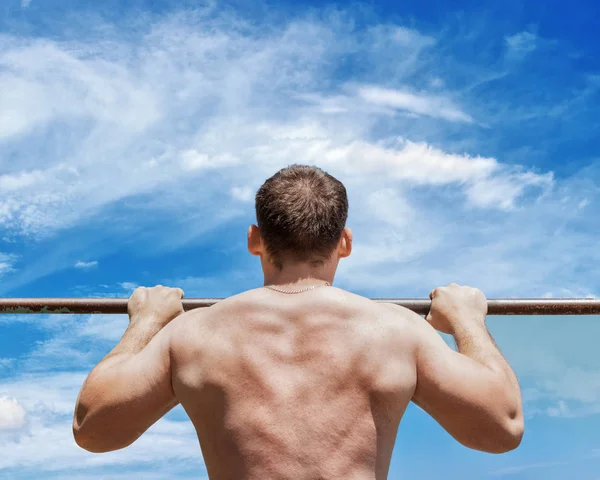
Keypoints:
pixel 402 326
pixel 188 329
pixel 201 326
pixel 401 315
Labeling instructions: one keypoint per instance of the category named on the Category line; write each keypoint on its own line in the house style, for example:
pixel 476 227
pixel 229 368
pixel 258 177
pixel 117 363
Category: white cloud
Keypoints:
pixel 25 3
pixel 102 328
pixel 418 164
pixel 521 43
pixel 6 362
pixel 86 265
pixel 420 104
pixel 194 160
pixel 128 285
pixel 12 414
pixel 503 190
pixel 47 445
pixel 7 262
pixel 584 203
pixel 560 410
pixel 410 38
pixel 243 194
pixel 20 180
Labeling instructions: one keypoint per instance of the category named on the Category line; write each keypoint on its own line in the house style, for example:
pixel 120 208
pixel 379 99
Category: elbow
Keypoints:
pixel 82 433
pixel 86 441
pixel 512 429
pixel 93 442
pixel 513 435
pixel 505 438
pixel 506 433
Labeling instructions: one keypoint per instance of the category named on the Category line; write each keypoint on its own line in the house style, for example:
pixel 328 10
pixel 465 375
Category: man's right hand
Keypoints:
pixel 455 306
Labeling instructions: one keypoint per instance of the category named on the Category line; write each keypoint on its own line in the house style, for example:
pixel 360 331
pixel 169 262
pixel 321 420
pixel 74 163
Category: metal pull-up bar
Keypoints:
pixel 500 306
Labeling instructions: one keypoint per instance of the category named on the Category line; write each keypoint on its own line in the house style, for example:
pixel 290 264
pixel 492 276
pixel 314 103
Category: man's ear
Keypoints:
pixel 346 243
pixel 255 246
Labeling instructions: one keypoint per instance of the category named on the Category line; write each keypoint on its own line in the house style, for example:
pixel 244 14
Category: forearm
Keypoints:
pixel 474 340
pixel 135 338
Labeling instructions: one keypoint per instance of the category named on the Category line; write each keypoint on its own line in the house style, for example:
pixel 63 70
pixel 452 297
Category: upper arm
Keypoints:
pixel 122 399
pixel 462 395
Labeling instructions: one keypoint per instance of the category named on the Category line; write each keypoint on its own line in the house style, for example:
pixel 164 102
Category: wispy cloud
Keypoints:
pixel 428 104
pixel 521 468
pixel 522 43
pixel 243 194
pixel 119 112
pixel 86 265
pixel 7 262
pixel 6 362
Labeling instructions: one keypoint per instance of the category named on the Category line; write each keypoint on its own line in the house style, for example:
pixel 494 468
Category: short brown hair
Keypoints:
pixel 301 213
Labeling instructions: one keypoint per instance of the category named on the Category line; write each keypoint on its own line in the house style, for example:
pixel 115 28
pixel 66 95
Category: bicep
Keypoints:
pixel 121 401
pixel 448 380
pixel 143 381
pixel 458 392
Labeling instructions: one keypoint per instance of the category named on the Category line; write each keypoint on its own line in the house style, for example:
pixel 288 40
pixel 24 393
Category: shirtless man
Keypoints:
pixel 298 379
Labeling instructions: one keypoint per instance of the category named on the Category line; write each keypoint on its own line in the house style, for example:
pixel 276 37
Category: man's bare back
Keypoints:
pixel 307 386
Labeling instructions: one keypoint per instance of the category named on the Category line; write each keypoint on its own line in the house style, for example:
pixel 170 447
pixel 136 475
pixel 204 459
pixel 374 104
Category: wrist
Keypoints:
pixel 468 325
pixel 147 321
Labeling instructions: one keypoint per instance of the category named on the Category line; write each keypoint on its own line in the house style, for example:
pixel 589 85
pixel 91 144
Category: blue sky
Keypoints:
pixel 132 139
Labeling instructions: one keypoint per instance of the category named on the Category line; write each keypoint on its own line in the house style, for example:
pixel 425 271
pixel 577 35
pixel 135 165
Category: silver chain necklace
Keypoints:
pixel 327 284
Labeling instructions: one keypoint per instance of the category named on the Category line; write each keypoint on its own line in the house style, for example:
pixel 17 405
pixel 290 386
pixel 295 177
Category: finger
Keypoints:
pixel 433 293
pixel 181 293
pixel 137 291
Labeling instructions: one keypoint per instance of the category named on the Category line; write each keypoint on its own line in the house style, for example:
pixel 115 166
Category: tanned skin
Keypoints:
pixel 301 386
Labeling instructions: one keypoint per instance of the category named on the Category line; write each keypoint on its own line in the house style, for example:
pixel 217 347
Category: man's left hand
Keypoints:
pixel 157 305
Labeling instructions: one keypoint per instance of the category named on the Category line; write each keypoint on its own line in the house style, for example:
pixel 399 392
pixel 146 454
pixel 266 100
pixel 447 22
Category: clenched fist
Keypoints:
pixel 158 304
pixel 455 306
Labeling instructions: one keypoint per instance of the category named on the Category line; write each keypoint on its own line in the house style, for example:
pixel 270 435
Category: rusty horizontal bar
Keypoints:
pixel 502 306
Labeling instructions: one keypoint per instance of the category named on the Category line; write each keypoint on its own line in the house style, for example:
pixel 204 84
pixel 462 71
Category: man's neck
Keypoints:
pixel 300 275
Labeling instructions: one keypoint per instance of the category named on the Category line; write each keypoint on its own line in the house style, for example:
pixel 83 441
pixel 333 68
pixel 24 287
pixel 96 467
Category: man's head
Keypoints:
pixel 301 213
